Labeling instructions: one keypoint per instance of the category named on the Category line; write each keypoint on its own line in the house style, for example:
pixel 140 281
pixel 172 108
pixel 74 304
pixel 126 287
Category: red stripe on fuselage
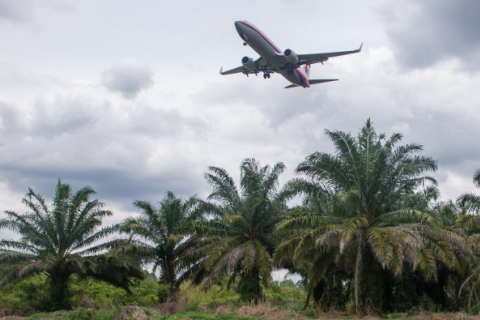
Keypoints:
pixel 262 35
pixel 303 78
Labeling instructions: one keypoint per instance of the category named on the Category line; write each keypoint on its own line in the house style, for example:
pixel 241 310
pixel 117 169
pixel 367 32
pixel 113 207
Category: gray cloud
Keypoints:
pixel 55 122
pixel 424 33
pixel 125 153
pixel 128 77
pixel 16 11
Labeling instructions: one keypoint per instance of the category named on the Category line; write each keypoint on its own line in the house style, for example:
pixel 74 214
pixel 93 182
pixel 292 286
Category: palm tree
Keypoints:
pixel 298 251
pixel 58 241
pixel 166 232
pixel 368 230
pixel 242 225
pixel 471 201
pixel 469 221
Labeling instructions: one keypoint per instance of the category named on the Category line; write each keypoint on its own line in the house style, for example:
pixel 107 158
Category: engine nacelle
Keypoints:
pixel 291 56
pixel 249 63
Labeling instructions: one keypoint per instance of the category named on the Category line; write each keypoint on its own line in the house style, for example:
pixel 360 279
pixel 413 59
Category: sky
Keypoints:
pixel 125 96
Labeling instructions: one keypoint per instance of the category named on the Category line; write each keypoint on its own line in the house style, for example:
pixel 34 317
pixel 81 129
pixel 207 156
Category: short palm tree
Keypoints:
pixel 471 201
pixel 469 221
pixel 368 230
pixel 166 237
pixel 241 231
pixel 60 240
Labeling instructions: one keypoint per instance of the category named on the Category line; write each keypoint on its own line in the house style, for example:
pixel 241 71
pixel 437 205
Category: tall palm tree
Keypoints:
pixel 242 225
pixel 59 240
pixel 166 235
pixel 369 232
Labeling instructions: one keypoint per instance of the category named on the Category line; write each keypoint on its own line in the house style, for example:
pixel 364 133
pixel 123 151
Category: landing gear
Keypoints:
pixel 266 75
pixel 244 43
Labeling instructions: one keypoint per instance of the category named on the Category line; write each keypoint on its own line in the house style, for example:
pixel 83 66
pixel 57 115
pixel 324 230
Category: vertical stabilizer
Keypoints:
pixel 307 71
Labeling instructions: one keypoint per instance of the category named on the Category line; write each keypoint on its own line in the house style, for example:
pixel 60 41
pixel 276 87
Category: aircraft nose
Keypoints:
pixel 238 26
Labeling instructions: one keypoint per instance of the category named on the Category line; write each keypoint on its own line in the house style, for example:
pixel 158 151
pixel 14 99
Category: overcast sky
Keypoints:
pixel 125 96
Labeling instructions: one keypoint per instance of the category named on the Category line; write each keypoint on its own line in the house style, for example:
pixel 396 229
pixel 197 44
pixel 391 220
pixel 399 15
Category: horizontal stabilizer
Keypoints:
pixel 312 81
pixel 315 81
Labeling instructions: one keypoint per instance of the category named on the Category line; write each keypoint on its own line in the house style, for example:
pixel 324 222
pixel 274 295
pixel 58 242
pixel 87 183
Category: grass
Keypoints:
pixel 49 315
pixel 187 315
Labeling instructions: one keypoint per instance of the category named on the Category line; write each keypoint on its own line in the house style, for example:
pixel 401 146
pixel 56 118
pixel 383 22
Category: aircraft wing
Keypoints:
pixel 321 57
pixel 261 64
pixel 240 69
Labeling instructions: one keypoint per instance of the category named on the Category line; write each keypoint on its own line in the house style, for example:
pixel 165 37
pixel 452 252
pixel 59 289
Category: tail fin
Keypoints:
pixel 307 70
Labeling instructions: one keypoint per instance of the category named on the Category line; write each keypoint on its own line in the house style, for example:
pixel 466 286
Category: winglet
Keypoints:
pixel 360 49
pixel 221 69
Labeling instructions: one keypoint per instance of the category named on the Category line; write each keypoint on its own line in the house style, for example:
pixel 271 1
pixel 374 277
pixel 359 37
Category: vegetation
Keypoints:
pixel 58 241
pixel 241 232
pixel 367 228
pixel 167 231
pixel 369 236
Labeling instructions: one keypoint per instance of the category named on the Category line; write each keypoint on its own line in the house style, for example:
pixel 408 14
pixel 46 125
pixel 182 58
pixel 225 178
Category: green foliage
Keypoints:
pixel 60 240
pixel 80 314
pixel 427 304
pixel 241 234
pixel 474 310
pixel 392 315
pixel 59 315
pixel 167 231
pixel 25 297
pixel 211 298
pixel 364 211
pixel 285 295
pixel 187 315
pixel 106 314
pixel 103 294
pixel 367 238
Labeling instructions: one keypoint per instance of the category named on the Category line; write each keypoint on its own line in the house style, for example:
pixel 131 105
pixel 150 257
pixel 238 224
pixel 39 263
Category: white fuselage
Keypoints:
pixel 270 52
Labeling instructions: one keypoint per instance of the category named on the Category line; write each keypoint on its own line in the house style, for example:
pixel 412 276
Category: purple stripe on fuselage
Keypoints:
pixel 262 35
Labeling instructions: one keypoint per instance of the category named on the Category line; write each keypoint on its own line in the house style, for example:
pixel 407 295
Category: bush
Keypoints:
pixel 80 314
pixel 285 295
pixel 25 297
pixel 216 296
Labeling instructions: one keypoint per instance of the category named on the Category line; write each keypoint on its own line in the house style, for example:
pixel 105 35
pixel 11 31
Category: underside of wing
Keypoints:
pixel 312 58
pixel 260 65
pixel 240 69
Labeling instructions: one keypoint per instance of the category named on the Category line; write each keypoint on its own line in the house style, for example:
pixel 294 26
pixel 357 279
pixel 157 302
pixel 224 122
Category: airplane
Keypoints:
pixel 273 60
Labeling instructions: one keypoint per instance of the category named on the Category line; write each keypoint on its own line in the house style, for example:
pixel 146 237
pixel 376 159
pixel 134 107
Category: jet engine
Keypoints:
pixel 249 63
pixel 291 56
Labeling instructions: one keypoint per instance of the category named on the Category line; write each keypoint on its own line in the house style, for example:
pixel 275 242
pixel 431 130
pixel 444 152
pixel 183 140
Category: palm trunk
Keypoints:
pixel 358 267
pixel 250 289
pixel 59 292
